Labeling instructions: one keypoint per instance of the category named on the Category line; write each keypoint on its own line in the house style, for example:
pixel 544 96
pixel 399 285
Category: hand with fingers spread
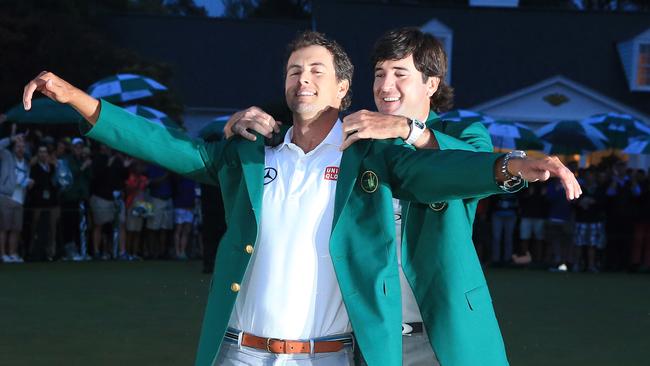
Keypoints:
pixel 541 169
pixel 251 119
pixel 365 124
pixel 61 91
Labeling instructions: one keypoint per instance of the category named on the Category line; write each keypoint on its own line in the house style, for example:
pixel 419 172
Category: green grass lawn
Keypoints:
pixel 149 313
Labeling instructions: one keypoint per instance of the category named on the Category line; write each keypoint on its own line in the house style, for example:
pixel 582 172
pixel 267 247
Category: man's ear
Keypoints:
pixel 433 82
pixel 344 86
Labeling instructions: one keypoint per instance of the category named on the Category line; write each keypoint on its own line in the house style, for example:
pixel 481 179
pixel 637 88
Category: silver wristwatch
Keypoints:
pixel 511 181
pixel 417 128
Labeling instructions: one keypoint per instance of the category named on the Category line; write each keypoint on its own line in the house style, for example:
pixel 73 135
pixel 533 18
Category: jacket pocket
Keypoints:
pixel 478 297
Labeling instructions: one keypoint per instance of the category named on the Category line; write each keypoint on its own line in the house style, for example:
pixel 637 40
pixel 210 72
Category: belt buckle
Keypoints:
pixel 268 344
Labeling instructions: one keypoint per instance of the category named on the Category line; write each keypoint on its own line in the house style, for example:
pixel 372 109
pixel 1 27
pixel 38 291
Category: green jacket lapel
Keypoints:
pixel 252 160
pixel 350 163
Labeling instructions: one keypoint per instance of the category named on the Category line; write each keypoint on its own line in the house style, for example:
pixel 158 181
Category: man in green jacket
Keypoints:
pixel 295 291
pixel 441 263
pixel 446 305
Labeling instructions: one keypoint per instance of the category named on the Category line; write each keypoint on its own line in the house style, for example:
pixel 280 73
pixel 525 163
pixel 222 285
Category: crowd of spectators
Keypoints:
pixel 67 199
pixel 606 229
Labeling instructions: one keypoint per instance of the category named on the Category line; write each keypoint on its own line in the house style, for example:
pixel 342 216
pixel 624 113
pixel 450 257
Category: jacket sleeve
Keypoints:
pixel 463 136
pixel 429 176
pixel 168 148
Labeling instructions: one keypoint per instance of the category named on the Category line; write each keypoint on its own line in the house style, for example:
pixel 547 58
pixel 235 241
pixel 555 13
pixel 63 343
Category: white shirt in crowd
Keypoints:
pixel 21 180
pixel 290 289
pixel 410 309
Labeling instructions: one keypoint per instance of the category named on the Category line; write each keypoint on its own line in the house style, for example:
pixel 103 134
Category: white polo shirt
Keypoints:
pixel 290 290
pixel 410 309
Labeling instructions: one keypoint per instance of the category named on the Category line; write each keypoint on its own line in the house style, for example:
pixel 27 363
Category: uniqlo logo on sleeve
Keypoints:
pixel 332 173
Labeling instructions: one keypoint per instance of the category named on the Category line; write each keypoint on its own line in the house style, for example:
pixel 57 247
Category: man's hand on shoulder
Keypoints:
pixel 373 125
pixel 251 119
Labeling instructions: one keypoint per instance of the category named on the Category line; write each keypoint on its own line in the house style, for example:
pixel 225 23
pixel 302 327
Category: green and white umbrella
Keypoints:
pixel 513 136
pixel 620 129
pixel 153 115
pixel 214 127
pixel 571 137
pixel 638 147
pixel 464 115
pixel 44 111
pixel 125 87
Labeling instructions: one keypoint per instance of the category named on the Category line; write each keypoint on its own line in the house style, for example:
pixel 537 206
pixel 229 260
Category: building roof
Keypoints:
pixel 222 63
pixel 498 51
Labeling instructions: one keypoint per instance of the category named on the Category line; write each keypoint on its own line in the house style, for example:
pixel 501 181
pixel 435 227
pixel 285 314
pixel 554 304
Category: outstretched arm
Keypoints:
pixel 429 176
pixel 132 134
pixel 61 91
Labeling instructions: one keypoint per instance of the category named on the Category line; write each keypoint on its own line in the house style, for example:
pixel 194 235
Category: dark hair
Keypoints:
pixel 343 67
pixel 429 58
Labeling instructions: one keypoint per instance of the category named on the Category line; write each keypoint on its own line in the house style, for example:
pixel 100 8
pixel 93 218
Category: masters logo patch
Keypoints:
pixel 369 181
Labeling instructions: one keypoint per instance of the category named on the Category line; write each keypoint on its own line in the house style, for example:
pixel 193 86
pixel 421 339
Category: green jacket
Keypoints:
pixel 440 263
pixel 362 243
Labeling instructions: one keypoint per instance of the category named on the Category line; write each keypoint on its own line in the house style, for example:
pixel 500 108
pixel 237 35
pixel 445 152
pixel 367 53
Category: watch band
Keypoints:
pixel 512 181
pixel 417 128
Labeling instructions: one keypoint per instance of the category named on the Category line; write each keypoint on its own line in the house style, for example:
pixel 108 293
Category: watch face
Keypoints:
pixel 418 124
pixel 518 154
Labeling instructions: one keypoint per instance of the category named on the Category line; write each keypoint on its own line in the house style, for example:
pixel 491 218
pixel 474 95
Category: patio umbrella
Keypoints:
pixel 464 115
pixel 571 137
pixel 125 87
pixel 44 110
pixel 513 136
pixel 153 115
pixel 214 127
pixel 620 129
pixel 638 147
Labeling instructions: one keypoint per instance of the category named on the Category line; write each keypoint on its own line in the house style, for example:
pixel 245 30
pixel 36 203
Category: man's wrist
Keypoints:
pixel 417 127
pixel 508 170
pixel 405 127
pixel 87 105
pixel 514 166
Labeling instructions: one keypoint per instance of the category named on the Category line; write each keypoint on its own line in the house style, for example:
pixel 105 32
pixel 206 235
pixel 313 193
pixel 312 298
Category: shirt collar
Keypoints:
pixel 333 138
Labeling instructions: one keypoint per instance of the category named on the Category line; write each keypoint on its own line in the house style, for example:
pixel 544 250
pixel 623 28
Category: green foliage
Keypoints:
pixel 59 36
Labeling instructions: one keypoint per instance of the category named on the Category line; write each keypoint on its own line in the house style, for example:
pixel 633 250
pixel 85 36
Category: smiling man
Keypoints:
pixel 446 306
pixel 310 255
pixel 440 275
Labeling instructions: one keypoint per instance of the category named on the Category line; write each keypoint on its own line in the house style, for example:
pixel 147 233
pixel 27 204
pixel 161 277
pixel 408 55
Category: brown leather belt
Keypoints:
pixel 274 345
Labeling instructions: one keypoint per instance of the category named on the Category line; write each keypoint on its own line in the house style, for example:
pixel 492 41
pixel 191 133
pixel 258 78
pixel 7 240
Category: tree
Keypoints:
pixel 295 9
pixel 58 36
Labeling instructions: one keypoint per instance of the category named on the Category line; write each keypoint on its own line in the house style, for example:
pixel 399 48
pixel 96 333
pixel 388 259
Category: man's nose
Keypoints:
pixel 387 84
